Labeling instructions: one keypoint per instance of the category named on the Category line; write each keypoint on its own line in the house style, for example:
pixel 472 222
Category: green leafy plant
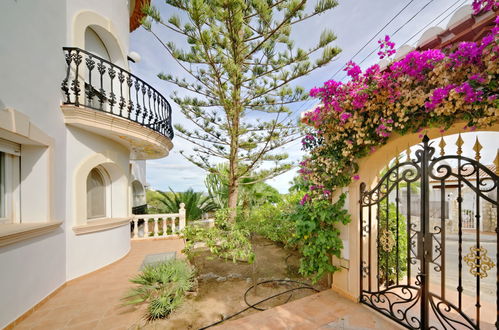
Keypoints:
pixel 162 286
pixel 226 240
pixel 196 203
pixel 272 221
pixel 317 233
pixel 217 184
pixel 387 260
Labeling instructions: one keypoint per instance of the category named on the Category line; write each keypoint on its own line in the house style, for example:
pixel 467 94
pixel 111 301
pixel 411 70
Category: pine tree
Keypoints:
pixel 240 63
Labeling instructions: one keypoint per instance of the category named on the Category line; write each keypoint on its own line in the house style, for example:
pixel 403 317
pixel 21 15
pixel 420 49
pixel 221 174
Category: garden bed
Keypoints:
pixel 222 285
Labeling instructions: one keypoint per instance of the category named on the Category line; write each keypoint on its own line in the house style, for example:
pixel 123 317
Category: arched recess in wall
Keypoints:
pixel 369 169
pixel 115 183
pixel 138 194
pixel 87 25
pixel 370 166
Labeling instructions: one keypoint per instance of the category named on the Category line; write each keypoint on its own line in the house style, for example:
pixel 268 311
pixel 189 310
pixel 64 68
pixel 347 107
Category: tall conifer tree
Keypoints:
pixel 238 71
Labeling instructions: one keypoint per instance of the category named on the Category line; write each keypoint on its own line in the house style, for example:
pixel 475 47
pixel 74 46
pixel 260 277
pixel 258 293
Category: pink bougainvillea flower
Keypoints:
pixel 483 5
pixel 356 177
pixel 344 116
pixel 353 70
pixel 305 199
pixel 422 88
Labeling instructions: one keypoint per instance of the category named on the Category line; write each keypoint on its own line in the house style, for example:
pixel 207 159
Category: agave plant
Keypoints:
pixel 196 203
pixel 163 286
pixel 217 184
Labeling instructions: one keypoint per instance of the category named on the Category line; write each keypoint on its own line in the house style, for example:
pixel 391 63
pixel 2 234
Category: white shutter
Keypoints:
pixel 10 147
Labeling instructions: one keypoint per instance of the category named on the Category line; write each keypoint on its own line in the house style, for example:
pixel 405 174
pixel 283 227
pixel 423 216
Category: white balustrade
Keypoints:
pixel 158 221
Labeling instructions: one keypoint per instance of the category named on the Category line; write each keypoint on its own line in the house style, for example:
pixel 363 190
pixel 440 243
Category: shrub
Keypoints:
pixel 273 221
pixel 317 233
pixel 162 286
pixel 226 240
pixel 391 255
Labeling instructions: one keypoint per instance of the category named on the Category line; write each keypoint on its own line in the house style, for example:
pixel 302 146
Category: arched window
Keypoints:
pixel 96 194
pixel 95 45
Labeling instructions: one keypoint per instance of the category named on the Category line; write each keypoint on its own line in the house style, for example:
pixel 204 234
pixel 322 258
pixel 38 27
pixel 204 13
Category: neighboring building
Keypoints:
pixel 75 130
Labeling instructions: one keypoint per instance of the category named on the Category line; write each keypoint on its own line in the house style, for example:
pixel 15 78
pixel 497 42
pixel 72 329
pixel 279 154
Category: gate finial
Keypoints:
pixel 459 144
pixel 442 145
pixel 477 147
pixel 408 153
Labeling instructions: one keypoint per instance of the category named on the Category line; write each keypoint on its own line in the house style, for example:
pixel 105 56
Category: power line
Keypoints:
pixel 433 20
pixel 365 45
pixel 374 36
pixel 422 29
pixel 400 28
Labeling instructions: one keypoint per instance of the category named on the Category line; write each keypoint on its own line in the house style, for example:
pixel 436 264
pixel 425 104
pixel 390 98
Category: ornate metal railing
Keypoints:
pixel 94 82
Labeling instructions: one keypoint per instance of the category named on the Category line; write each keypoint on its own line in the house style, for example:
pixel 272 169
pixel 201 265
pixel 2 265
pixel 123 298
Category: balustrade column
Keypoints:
pixel 135 228
pixel 164 226
pixel 155 227
pixel 181 214
pixel 146 227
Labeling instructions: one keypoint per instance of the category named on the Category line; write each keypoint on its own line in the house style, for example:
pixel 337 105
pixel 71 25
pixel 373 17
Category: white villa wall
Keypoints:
pixel 32 34
pixel 139 171
pixel 92 251
pixel 88 252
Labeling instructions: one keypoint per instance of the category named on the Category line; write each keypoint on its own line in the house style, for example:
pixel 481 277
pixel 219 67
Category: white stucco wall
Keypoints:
pixel 32 35
pixel 139 171
pixel 88 252
pixel 92 251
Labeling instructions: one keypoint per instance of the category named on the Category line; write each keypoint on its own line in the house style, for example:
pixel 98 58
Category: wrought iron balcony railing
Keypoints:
pixel 94 82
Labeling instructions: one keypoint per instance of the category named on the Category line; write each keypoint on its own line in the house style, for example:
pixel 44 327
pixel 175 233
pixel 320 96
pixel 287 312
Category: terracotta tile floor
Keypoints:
pixel 325 310
pixel 93 301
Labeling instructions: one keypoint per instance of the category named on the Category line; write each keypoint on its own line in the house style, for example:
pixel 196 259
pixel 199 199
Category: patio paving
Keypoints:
pixel 324 310
pixel 93 301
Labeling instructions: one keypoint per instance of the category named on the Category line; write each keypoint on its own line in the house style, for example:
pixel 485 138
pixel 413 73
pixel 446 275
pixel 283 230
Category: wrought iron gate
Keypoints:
pixel 404 271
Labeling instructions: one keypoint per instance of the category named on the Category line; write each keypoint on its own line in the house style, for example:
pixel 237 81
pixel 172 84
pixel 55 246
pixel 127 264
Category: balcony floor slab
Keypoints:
pixel 143 142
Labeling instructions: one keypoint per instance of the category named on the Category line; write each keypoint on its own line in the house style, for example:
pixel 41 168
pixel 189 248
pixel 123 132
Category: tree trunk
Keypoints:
pixel 233 194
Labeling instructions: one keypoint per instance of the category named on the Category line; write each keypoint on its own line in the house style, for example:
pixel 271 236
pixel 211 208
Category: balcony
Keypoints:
pixel 106 99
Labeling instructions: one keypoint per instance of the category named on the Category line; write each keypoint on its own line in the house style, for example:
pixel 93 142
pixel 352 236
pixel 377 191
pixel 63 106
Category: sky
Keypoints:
pixel 354 22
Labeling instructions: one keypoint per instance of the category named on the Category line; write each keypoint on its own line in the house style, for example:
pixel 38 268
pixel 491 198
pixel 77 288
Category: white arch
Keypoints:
pixel 106 31
pixel 117 190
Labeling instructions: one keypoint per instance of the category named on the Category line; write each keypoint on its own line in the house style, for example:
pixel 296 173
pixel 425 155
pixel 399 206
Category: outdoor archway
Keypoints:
pixel 424 224
pixel 365 122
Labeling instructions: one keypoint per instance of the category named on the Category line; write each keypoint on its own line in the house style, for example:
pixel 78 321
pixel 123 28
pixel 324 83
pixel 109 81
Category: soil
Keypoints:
pixel 222 284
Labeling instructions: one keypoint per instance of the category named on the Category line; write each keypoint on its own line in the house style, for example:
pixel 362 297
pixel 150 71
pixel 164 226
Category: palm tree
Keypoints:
pixel 196 203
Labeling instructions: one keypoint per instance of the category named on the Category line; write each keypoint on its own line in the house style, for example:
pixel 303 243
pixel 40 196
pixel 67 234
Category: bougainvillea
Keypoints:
pixel 431 88
pixel 483 5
